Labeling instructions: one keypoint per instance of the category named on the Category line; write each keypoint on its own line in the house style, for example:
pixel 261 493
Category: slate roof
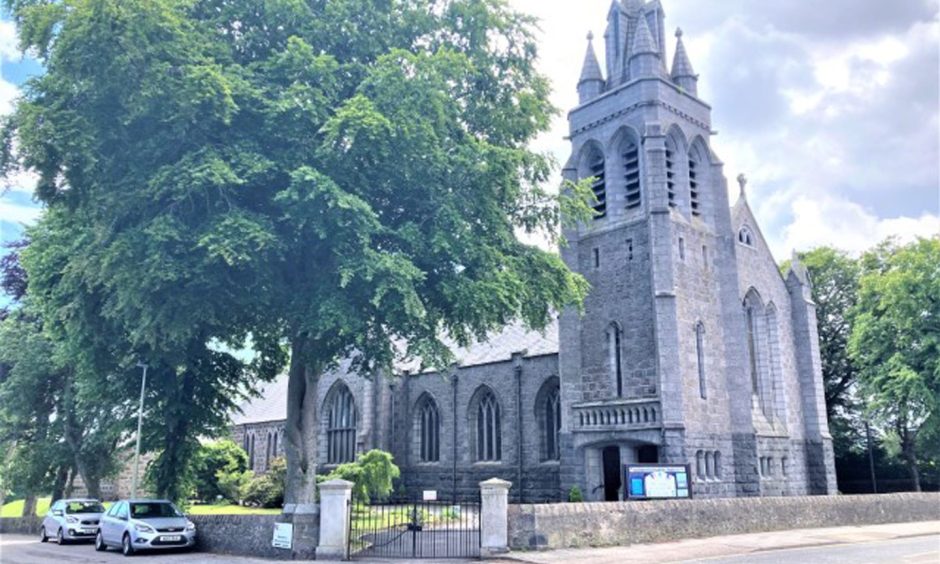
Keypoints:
pixel 272 403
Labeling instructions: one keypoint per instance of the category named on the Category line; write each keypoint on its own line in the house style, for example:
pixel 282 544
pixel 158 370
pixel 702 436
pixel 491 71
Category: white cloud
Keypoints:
pixel 18 213
pixel 846 225
pixel 9 49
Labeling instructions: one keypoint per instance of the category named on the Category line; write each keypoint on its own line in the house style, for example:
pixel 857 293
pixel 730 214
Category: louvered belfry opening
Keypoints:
pixel 631 166
pixel 600 184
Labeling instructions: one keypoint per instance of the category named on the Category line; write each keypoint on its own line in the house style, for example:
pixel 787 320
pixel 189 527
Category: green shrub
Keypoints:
pixel 373 475
pixel 575 495
pixel 214 463
pixel 267 490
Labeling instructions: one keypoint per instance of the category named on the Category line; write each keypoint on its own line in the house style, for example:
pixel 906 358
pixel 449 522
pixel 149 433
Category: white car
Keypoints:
pixel 71 519
pixel 145 524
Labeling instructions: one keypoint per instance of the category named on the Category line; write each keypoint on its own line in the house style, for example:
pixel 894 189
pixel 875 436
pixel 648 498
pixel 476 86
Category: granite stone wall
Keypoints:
pixel 574 525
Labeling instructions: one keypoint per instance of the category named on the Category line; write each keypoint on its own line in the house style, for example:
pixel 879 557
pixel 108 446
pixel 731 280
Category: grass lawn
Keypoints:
pixel 15 509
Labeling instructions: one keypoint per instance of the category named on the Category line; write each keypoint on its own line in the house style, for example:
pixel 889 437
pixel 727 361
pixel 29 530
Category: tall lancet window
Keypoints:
pixel 752 348
pixel 615 344
pixel 548 412
pixel 341 427
pixel 600 183
pixel 489 442
pixel 694 188
pixel 631 166
pixel 429 426
pixel 700 357
pixel 671 174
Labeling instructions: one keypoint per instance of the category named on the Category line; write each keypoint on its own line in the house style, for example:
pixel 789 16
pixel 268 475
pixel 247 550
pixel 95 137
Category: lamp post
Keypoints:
pixel 140 420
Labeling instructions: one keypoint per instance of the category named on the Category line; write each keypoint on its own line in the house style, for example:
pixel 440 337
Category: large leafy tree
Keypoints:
pixel 343 177
pixel 896 343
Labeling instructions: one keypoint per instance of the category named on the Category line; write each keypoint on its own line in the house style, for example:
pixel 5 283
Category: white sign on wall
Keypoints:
pixel 283 535
pixel 430 495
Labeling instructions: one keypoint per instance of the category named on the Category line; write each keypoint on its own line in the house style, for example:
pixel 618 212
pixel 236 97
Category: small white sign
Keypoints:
pixel 430 495
pixel 283 535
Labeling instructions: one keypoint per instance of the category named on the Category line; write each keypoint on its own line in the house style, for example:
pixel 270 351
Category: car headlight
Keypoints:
pixel 143 528
pixel 190 526
pixel 71 519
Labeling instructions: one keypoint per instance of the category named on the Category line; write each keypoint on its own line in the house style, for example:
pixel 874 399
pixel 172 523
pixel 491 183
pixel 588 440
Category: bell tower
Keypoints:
pixel 636 381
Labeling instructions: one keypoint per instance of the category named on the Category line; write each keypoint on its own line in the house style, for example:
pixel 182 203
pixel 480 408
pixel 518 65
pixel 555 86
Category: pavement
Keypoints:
pixel 908 543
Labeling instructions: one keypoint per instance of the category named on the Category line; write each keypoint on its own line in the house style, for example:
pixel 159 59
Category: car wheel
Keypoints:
pixel 126 547
pixel 43 537
pixel 99 543
pixel 60 537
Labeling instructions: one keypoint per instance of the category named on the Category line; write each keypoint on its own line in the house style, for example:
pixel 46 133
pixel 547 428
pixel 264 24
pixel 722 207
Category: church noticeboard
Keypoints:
pixel 283 535
pixel 657 481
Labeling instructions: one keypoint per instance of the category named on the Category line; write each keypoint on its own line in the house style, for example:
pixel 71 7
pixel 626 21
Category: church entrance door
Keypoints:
pixel 612 480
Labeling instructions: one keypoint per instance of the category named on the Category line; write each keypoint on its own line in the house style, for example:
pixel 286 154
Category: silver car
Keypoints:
pixel 71 519
pixel 144 524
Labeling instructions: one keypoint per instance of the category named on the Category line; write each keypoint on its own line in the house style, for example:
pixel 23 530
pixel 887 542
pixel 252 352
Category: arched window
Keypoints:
pixel 595 167
pixel 695 201
pixel 341 426
pixel 700 465
pixel 745 237
pixel 717 465
pixel 548 414
pixel 631 171
pixel 489 442
pixel 251 452
pixel 429 429
pixel 267 455
pixel 615 353
pixel 710 465
pixel 671 155
pixel 700 356
pixel 245 442
pixel 751 320
pixel 274 448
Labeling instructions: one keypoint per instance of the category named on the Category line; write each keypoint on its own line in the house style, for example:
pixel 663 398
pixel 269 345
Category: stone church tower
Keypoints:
pixel 692 348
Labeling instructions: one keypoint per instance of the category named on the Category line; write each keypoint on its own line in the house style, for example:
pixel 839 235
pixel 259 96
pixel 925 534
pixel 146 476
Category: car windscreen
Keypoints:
pixel 153 510
pixel 84 507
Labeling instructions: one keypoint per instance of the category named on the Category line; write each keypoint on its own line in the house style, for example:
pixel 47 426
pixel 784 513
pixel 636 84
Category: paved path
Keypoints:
pixel 907 543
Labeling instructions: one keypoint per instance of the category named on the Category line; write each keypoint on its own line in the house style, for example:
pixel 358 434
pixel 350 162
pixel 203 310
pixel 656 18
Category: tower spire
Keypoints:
pixel 592 79
pixel 682 73
pixel 644 56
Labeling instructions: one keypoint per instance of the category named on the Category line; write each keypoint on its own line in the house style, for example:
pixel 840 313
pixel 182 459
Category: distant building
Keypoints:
pixel 693 348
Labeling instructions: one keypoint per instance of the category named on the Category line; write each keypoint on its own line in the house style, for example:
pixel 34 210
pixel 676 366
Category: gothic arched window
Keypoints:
pixel 615 353
pixel 251 452
pixel 267 455
pixel 488 427
pixel 274 448
pixel 700 357
pixel 751 320
pixel 745 237
pixel 595 167
pixel 631 172
pixel 429 429
pixel 548 415
pixel 695 202
pixel 341 426
pixel 671 155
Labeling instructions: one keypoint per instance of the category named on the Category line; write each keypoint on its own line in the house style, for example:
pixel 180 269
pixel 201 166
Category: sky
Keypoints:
pixel 830 107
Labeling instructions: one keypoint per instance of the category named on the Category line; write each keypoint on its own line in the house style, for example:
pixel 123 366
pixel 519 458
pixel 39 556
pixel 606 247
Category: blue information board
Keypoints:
pixel 657 481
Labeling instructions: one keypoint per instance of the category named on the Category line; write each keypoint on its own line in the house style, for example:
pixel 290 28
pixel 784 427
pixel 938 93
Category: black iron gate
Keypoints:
pixel 424 529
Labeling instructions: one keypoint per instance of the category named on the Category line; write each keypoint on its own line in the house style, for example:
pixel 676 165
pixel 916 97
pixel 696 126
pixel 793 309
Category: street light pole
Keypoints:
pixel 140 420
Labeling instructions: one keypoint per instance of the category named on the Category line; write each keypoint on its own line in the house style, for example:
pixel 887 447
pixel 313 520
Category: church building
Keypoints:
pixel 692 348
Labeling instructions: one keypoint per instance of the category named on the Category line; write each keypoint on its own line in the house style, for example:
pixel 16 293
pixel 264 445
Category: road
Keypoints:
pixel 18 549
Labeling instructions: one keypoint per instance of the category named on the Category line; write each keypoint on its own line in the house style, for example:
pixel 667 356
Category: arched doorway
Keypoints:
pixel 612 479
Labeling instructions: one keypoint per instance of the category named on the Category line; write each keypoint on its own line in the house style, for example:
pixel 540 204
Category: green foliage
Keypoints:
pixel 373 475
pixel 575 495
pixel 267 490
pixel 219 471
pixel 896 344
pixel 336 176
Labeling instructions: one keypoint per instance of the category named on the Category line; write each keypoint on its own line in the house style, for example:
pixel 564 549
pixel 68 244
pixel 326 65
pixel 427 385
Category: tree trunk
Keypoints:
pixel 300 443
pixel 911 459
pixel 74 440
pixel 29 505
pixel 58 487
pixel 70 486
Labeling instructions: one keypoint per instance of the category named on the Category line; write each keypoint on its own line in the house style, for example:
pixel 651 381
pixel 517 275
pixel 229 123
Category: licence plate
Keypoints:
pixel 89 531
pixel 171 538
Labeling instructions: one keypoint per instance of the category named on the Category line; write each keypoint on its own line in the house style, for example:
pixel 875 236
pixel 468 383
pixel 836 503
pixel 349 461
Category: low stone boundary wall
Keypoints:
pixel 243 535
pixel 572 525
